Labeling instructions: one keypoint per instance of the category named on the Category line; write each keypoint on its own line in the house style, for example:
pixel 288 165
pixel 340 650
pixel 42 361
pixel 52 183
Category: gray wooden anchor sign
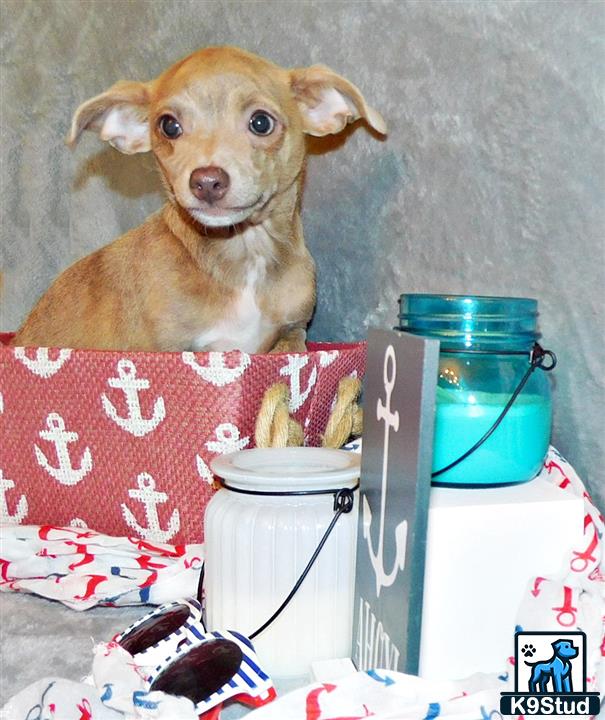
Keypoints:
pixel 399 406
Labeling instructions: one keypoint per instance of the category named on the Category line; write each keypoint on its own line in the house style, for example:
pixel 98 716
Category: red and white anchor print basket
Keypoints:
pixel 120 442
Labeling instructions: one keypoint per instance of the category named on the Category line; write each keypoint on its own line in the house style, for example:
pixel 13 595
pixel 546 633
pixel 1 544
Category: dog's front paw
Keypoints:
pixel 293 341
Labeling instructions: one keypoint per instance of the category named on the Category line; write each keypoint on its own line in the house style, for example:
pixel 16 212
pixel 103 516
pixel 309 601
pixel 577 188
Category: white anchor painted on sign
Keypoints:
pixel 391 420
pixel 56 433
pixel 43 366
pixel 134 422
pixel 295 364
pixel 20 510
pixel 216 372
pixel 150 498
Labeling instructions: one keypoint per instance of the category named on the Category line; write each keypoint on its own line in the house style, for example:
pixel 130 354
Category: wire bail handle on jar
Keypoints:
pixel 537 357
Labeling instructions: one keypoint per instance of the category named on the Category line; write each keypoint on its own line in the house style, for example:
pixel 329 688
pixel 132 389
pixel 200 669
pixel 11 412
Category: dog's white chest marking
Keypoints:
pixel 243 326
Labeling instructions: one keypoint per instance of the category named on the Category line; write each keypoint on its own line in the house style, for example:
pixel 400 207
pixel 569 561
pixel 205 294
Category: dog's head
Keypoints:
pixel 227 127
pixel 565 649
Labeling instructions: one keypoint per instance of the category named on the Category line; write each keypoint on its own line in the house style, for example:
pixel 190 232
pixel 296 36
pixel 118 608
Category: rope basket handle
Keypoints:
pixel 276 428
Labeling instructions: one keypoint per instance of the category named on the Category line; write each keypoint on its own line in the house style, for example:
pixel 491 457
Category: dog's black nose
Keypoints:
pixel 209 183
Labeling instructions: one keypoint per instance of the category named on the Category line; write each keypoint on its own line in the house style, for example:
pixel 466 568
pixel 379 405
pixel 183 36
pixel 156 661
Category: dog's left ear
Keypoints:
pixel 328 102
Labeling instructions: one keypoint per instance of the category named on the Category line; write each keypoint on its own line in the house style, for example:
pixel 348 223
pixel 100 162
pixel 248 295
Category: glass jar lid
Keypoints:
pixel 471 321
pixel 288 469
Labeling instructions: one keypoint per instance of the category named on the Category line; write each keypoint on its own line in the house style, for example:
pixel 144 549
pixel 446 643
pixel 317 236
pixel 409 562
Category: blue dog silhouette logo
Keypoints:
pixel 556 671
pixel 550 676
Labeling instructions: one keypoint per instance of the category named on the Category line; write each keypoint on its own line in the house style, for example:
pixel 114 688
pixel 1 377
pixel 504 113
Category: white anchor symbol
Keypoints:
pixel 42 365
pixel 216 372
pixel 147 495
pixel 295 364
pixel 66 474
pixel 21 510
pixel 327 357
pixel 391 420
pixel 134 422
pixel 78 523
pixel 204 471
pixel 227 440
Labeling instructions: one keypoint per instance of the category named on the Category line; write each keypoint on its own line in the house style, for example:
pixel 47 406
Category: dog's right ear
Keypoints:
pixel 119 116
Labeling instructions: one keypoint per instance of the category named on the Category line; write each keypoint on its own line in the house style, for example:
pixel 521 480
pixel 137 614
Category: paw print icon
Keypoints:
pixel 528 650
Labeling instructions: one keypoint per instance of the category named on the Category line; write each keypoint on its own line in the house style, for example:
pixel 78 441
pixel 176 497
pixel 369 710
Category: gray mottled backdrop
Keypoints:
pixel 491 180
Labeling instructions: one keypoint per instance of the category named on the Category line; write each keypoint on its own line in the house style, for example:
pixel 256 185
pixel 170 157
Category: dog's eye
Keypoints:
pixel 261 123
pixel 170 127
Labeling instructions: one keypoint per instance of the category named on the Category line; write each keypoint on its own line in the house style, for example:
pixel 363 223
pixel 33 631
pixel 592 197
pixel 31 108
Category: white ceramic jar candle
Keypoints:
pixel 257 546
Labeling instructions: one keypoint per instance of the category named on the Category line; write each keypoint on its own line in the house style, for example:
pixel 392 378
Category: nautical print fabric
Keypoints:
pixel 116 690
pixel 121 442
pixel 81 568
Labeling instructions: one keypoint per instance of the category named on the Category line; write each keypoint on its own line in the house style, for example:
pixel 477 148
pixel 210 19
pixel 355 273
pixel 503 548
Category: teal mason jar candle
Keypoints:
pixel 486 349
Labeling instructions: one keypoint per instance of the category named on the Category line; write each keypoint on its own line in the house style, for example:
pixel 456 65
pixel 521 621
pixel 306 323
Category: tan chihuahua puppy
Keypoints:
pixel 224 264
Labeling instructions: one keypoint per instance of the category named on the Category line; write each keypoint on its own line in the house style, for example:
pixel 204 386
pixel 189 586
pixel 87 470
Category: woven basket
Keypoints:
pixel 121 442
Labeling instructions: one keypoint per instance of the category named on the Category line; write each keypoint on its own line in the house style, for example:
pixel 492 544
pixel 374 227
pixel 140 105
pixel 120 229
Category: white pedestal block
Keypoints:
pixel 483 547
